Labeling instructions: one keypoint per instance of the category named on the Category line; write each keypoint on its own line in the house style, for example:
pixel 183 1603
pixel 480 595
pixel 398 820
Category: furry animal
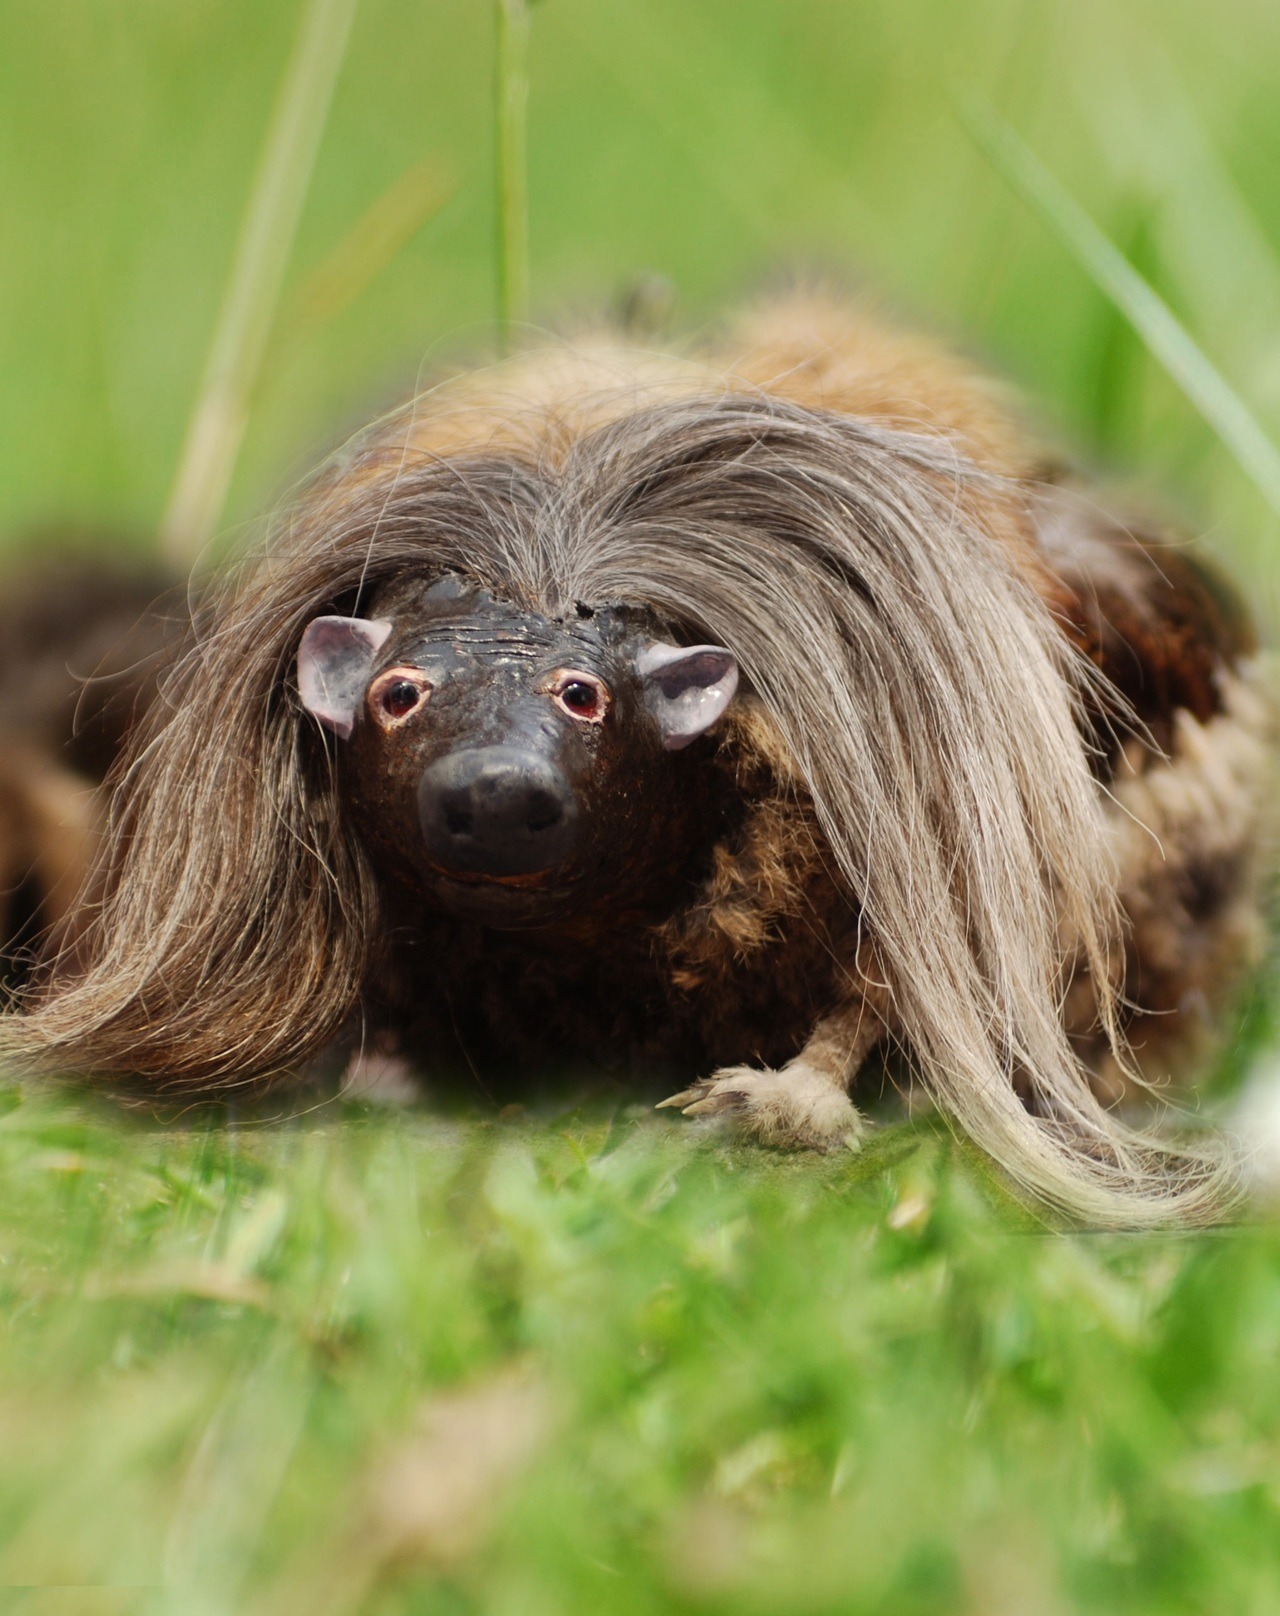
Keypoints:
pixel 735 712
pixel 82 642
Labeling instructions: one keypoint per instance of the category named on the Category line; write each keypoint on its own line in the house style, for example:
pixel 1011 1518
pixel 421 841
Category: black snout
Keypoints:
pixel 496 810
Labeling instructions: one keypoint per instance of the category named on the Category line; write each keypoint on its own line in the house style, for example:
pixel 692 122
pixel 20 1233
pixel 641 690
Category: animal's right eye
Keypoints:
pixel 397 694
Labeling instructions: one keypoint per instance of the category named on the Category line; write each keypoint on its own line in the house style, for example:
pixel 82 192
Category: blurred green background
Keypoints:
pixel 249 1368
pixel 714 142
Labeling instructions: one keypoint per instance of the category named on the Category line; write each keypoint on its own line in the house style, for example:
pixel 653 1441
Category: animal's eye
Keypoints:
pixel 581 695
pixel 397 694
pixel 399 698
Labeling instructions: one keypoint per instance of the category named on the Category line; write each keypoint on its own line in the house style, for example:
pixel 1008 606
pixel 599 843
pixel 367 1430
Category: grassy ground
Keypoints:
pixel 591 1359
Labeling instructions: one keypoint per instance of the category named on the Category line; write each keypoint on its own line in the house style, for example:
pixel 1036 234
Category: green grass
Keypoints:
pixel 756 1384
pixel 714 144
pixel 597 1360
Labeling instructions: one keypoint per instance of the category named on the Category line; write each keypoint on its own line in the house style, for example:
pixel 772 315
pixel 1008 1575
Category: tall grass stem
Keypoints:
pixel 511 116
pixel 276 196
pixel 1146 311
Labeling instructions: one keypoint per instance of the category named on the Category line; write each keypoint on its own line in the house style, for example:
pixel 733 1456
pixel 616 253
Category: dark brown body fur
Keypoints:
pixel 756 951
pixel 83 640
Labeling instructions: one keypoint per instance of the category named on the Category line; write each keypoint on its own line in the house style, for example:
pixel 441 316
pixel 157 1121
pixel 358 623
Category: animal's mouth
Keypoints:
pixel 479 878
pixel 542 901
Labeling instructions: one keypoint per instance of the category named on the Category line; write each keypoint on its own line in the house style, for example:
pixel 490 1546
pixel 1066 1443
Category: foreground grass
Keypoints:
pixel 598 1361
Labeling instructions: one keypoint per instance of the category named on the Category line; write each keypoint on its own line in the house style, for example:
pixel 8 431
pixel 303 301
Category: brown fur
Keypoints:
pixel 961 692
pixel 82 641
pixel 1189 788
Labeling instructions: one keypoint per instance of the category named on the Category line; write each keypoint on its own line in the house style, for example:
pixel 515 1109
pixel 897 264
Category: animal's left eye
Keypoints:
pixel 583 698
pixel 581 695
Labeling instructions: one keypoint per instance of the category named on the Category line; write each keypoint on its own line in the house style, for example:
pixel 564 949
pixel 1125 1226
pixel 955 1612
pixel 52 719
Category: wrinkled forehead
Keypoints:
pixel 450 626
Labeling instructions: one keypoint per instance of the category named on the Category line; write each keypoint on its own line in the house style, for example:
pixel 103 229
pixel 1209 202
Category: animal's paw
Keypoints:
pixel 795 1109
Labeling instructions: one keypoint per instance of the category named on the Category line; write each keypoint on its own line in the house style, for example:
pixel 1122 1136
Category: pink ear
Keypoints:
pixel 686 688
pixel 335 660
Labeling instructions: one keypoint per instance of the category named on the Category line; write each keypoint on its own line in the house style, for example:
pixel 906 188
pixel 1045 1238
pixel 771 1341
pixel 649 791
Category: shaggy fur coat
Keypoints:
pixel 991 793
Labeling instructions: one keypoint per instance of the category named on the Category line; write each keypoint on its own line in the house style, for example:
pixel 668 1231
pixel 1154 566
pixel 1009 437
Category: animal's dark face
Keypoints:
pixel 512 769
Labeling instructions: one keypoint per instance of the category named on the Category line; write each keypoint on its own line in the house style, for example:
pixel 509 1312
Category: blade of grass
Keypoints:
pixel 377 238
pixel 1148 124
pixel 279 188
pixel 1151 317
pixel 511 107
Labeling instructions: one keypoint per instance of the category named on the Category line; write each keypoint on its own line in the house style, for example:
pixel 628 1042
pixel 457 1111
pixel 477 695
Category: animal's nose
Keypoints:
pixel 496 810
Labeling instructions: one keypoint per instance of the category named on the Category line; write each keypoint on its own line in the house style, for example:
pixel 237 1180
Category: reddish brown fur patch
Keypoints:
pixel 817 351
pixel 772 910
pixel 1151 618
